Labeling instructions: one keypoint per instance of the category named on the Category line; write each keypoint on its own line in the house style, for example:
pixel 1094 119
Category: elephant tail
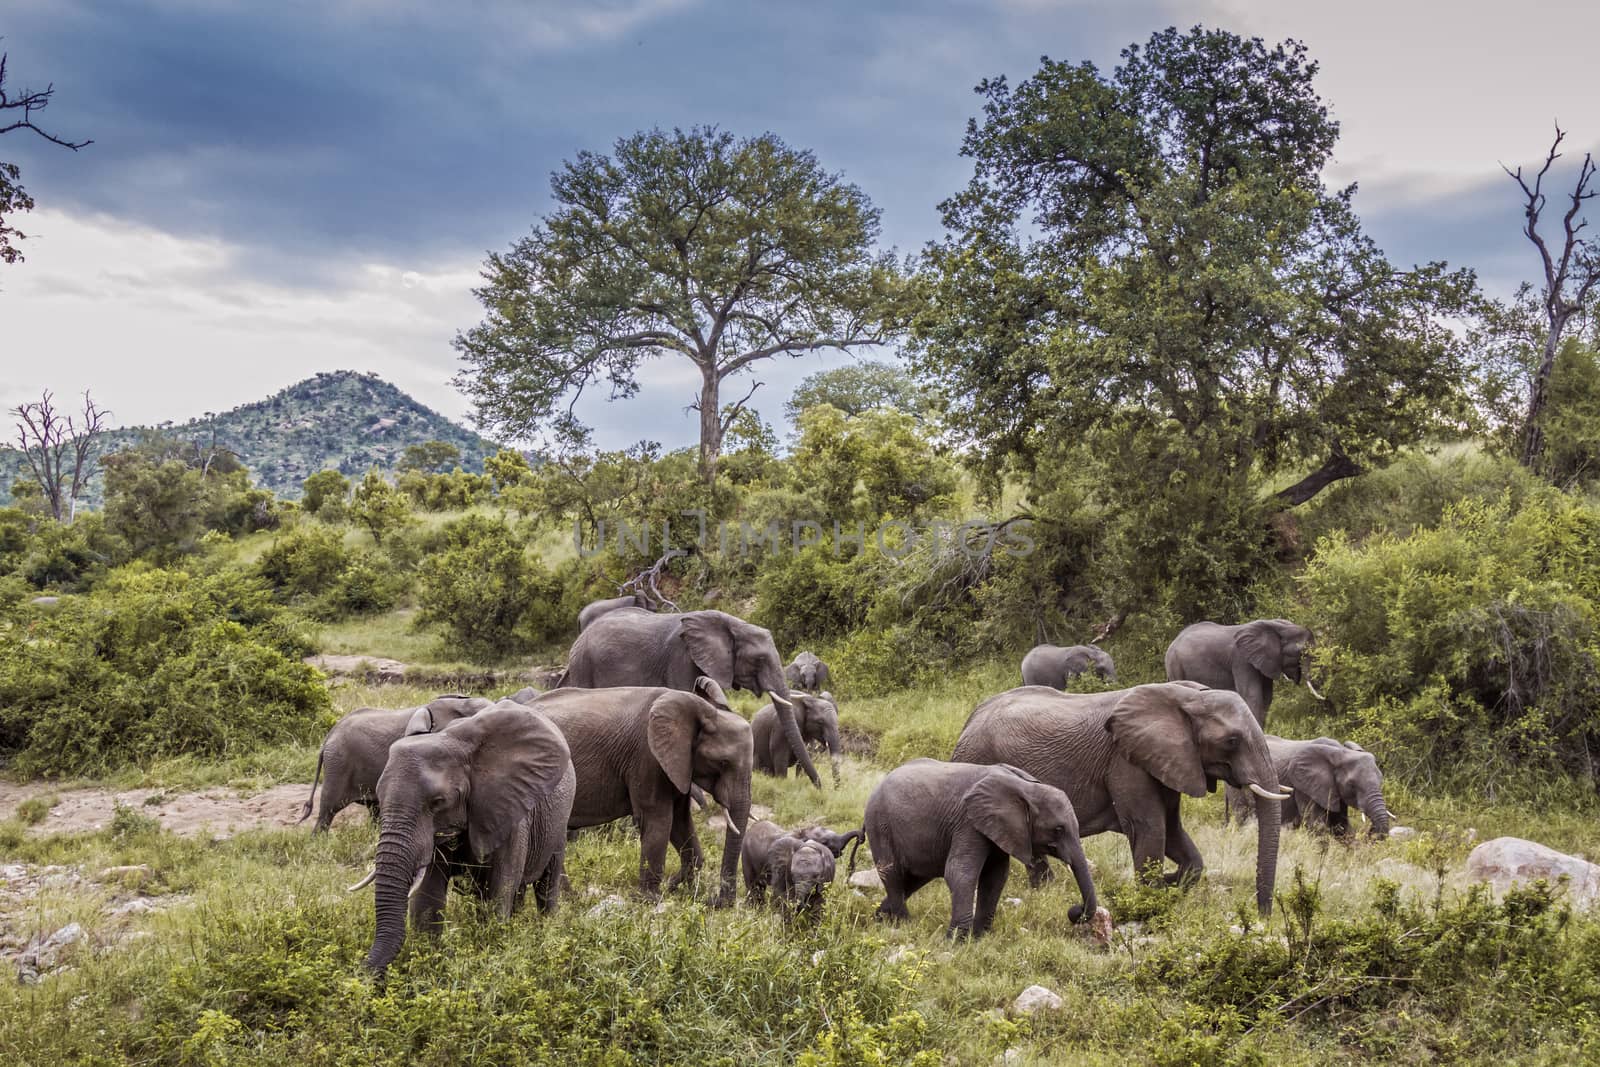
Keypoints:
pixel 305 812
pixel 860 836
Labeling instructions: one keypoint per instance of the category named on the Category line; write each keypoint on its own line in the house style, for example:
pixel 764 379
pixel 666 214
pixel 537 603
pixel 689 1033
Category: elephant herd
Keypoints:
pixel 639 727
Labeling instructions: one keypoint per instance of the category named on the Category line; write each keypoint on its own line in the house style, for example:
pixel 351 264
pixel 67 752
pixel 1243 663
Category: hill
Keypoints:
pixel 340 419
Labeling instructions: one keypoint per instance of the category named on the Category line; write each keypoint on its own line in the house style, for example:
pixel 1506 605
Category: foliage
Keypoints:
pixel 154 663
pixel 1467 651
pixel 162 497
pixel 857 388
pixel 879 465
pixel 325 491
pixel 430 457
pixel 691 243
pixel 50 555
pixel 1571 420
pixel 379 507
pixel 491 598
pixel 453 491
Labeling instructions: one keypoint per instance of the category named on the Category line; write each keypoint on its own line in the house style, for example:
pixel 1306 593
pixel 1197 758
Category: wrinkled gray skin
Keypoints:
pixel 488 797
pixel 1052 665
pixel 964 822
pixel 356 749
pixel 1329 779
pixel 797 868
pixel 819 725
pixel 596 608
pixel 835 842
pixel 807 672
pixel 633 647
pixel 637 750
pixel 1246 659
pixel 1125 758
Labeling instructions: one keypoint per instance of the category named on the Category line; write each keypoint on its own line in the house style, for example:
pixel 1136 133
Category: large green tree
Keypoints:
pixel 692 243
pixel 1154 253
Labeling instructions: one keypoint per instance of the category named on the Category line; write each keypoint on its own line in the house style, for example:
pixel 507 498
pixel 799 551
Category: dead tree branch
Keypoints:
pixel 60 451
pixel 644 583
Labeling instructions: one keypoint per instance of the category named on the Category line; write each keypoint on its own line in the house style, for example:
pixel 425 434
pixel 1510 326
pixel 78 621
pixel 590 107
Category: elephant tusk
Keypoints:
pixel 776 699
pixel 416 883
pixel 1313 689
pixel 1258 791
pixel 364 882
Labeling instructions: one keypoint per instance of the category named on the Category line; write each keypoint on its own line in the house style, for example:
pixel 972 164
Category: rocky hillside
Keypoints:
pixel 340 419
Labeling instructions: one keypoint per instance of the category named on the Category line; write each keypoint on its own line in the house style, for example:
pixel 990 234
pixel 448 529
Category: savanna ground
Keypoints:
pixel 1376 951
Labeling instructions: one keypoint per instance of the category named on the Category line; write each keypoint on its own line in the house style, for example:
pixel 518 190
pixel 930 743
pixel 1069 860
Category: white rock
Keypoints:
pixel 867 879
pixel 817 957
pixel 136 906
pixel 41 954
pixel 612 902
pixel 1402 832
pixel 1035 998
pixel 1015 902
pixel 1508 861
pixel 900 954
pixel 1010 1055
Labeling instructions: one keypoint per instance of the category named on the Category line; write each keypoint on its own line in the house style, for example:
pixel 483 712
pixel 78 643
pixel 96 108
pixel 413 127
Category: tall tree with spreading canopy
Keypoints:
pixel 1148 263
pixel 725 252
pixel 21 111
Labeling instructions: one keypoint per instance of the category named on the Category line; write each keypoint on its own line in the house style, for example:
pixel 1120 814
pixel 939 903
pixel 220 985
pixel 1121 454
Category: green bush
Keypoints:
pixel 1467 651
pixel 151 664
pixel 480 585
pixel 305 562
pixel 325 491
pixel 814 596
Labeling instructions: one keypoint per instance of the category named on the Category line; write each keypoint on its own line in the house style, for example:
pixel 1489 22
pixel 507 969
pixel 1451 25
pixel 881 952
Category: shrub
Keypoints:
pixel 304 562
pixel 325 490
pixel 481 586
pixel 152 664
pixel 1468 650
pixel 379 507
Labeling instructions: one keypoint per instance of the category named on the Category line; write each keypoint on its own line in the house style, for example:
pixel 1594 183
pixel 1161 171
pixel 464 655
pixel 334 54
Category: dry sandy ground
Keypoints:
pixel 217 812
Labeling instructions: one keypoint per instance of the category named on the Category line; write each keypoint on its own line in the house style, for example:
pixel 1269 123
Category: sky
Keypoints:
pixel 276 190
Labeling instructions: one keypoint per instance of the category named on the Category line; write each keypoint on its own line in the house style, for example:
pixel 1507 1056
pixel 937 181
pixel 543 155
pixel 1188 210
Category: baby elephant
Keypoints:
pixel 798 866
pixel 964 822
pixel 1054 666
pixel 1328 779
pixel 819 725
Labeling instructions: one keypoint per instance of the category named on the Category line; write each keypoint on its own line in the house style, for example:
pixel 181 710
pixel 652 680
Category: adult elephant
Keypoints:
pixel 1053 665
pixel 356 749
pixel 1246 659
pixel 596 608
pixel 819 725
pixel 1329 778
pixel 1125 758
pixel 632 647
pixel 487 796
pixel 806 671
pixel 964 823
pixel 638 750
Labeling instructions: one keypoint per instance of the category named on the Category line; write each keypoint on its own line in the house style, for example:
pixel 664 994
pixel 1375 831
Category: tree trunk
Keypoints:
pixel 1538 397
pixel 1337 467
pixel 710 423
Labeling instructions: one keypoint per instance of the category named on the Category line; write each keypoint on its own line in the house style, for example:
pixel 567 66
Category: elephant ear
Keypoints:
pixel 1150 729
pixel 1262 648
pixel 1310 773
pixel 421 722
pixel 710 644
pixel 711 691
pixel 674 721
pixel 997 809
pixel 516 759
pixel 791 675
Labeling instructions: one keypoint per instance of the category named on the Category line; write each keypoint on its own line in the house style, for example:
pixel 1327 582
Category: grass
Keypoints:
pixel 262 965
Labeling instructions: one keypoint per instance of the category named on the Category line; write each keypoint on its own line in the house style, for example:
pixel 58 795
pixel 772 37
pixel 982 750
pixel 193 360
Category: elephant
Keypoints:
pixel 807 672
pixel 1329 778
pixel 596 608
pixel 797 868
pixel 633 647
pixel 1052 665
pixel 819 724
pixel 638 750
pixel 835 841
pixel 357 747
pixel 488 796
pixel 1245 658
pixel 1126 756
pixel 963 822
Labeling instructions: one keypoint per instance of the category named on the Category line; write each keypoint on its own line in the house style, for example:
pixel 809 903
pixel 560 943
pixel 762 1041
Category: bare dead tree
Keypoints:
pixel 20 112
pixel 61 451
pixel 1569 279
pixel 645 581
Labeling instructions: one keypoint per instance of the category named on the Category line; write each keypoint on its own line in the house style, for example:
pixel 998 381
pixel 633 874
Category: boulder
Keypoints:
pixel 867 879
pixel 372 668
pixel 1036 998
pixel 1508 861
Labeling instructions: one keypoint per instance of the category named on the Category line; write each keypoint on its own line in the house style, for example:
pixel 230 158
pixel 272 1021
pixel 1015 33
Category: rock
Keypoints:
pixel 372 668
pixel 716 823
pixel 1100 928
pixel 612 902
pixel 42 955
pixel 45 603
pixel 662 907
pixel 1401 832
pixel 1010 1055
pixel 131 877
pixel 817 957
pixel 1015 902
pixel 867 879
pixel 760 811
pixel 136 906
pixel 1035 998
pixel 900 954
pixel 1508 861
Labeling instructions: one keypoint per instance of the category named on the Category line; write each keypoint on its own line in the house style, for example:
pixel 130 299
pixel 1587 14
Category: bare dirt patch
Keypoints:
pixel 218 812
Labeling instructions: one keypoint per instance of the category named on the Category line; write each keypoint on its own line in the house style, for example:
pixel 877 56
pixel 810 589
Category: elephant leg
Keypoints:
pixel 991 883
pixel 427 904
pixel 687 842
pixel 1147 838
pixel 897 886
pixel 1181 849
pixel 507 868
pixel 547 887
pixel 653 837
pixel 962 869
pixel 1339 821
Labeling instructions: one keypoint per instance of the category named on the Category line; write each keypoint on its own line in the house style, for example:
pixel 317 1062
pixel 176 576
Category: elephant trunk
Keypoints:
pixel 830 736
pixel 1074 858
pixel 736 799
pixel 393 875
pixel 779 692
pixel 1377 813
pixel 1268 816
